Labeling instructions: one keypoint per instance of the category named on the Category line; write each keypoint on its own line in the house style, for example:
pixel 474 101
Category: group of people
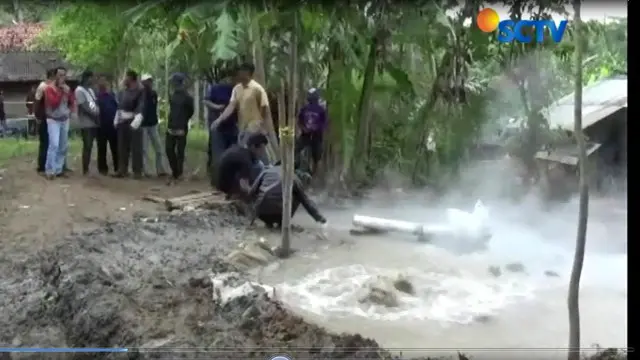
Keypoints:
pixel 124 121
pixel 238 110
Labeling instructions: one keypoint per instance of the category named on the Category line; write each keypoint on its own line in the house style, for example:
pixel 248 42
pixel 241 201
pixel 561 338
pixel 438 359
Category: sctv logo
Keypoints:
pixel 509 30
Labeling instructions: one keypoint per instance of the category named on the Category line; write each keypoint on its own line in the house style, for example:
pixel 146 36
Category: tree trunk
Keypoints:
pixel 573 299
pixel 196 100
pixel 339 78
pixel 18 11
pixel 167 56
pixel 359 159
pixel 287 140
pixel 255 36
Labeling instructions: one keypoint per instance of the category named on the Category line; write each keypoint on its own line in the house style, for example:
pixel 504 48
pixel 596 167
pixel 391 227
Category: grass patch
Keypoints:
pixel 11 148
pixel 19 148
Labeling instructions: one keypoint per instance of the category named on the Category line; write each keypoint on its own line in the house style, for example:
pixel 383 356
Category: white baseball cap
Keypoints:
pixel 146 77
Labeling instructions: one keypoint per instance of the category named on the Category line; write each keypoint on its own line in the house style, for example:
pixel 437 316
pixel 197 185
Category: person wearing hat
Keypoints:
pixel 150 135
pixel 181 109
pixel 88 116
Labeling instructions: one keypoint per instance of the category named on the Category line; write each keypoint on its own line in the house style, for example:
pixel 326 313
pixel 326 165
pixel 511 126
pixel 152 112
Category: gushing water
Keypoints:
pixel 457 302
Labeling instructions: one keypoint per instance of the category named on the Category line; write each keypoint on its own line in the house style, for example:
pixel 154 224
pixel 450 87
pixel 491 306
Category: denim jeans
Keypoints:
pixel 58 146
pixel 219 141
pixel 150 136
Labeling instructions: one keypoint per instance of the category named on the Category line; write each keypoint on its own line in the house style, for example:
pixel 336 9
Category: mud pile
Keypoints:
pixel 146 284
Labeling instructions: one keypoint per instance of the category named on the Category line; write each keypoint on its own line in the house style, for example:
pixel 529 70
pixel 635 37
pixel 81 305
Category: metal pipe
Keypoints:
pixel 381 224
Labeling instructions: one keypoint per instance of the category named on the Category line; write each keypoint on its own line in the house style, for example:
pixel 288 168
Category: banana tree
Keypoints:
pixel 101 44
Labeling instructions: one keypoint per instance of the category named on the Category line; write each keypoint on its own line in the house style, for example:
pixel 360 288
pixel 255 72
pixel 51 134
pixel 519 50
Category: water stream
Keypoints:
pixel 458 304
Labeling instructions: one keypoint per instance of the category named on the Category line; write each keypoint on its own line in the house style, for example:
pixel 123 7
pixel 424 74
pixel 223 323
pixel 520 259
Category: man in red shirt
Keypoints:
pixel 59 104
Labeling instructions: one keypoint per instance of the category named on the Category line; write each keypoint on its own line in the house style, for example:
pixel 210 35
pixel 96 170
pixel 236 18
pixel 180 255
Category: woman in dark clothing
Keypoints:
pixel 106 131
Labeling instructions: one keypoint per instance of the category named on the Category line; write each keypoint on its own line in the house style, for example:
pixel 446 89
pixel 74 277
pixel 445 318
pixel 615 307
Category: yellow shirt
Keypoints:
pixel 250 100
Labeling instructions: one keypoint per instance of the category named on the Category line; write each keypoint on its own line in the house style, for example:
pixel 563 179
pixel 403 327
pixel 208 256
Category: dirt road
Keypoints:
pixel 36 213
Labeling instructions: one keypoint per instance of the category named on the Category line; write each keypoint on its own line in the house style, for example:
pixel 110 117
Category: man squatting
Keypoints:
pixel 236 172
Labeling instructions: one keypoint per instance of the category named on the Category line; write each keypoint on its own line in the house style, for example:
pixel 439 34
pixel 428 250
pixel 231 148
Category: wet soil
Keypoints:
pixel 145 284
pixel 136 281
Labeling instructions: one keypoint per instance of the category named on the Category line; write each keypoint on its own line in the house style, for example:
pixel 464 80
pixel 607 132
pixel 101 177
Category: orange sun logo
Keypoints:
pixel 488 20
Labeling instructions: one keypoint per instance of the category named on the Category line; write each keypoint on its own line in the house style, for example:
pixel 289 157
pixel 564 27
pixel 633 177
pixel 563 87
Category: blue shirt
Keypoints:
pixel 108 107
pixel 220 94
pixel 312 118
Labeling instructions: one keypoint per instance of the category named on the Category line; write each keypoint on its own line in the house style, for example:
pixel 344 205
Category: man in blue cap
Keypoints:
pixel 181 109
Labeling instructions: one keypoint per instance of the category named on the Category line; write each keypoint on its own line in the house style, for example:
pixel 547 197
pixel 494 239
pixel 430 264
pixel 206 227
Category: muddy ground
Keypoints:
pixel 85 263
pixel 145 284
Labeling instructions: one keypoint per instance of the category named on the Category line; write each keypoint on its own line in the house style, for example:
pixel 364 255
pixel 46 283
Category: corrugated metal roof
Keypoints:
pixel 567 155
pixel 599 100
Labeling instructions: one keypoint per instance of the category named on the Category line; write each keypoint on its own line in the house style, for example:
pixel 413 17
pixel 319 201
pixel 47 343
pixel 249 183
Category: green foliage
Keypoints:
pixel 433 73
pixel 89 35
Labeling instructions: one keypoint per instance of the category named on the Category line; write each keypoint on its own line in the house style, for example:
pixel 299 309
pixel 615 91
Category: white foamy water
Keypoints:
pixel 454 289
pixel 446 297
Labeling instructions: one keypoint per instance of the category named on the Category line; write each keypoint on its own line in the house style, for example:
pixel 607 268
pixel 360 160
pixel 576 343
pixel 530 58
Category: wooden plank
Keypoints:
pixel 191 196
pixel 182 201
pixel 210 202
pixel 154 199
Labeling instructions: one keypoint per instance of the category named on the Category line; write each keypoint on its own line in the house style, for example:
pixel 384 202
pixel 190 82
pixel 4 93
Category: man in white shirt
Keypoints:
pixel 88 117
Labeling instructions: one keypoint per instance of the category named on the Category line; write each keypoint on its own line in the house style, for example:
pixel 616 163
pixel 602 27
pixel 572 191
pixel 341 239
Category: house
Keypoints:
pixel 604 122
pixel 604 118
pixel 22 67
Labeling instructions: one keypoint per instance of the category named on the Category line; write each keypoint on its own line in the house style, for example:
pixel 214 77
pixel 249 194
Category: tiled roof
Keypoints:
pixel 18 60
pixel 19 36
